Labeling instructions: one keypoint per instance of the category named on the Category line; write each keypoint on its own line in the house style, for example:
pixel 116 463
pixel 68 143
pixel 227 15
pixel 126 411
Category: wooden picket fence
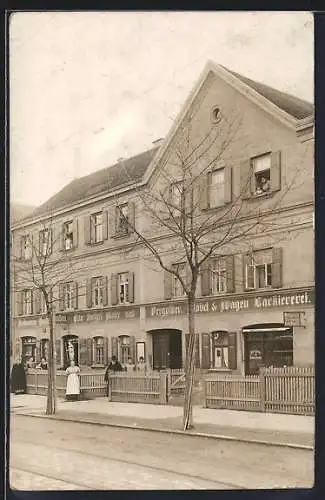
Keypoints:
pixel 280 390
pixel 233 392
pixel 124 387
pixel 288 390
pixel 138 388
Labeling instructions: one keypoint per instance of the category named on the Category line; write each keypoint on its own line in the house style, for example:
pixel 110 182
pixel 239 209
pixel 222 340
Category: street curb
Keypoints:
pixel 170 431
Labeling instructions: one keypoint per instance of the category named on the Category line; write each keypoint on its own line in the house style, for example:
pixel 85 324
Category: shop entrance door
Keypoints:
pixel 167 349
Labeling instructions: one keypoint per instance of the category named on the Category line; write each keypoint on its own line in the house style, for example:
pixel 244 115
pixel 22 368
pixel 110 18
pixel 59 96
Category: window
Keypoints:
pixel 45 349
pixel 98 350
pixel 27 248
pixel 122 219
pixel 45 242
pixel 259 270
pixel 27 302
pixel 29 351
pixel 219 276
pixel 67 235
pixel 217 188
pixel 262 174
pixel 68 295
pixel 177 289
pixel 97 227
pixel 220 353
pixel 97 292
pixel 123 286
pixel 125 351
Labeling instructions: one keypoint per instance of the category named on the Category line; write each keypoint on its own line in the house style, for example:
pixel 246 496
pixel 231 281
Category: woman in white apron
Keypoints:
pixel 73 383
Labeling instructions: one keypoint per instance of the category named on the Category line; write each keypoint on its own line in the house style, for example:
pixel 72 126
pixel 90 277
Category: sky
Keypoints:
pixel 87 88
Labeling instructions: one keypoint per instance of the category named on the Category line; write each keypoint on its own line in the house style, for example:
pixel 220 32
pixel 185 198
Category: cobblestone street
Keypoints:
pixel 62 455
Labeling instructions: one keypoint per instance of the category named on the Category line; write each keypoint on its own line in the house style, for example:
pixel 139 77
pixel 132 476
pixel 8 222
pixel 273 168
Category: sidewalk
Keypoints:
pixel 267 428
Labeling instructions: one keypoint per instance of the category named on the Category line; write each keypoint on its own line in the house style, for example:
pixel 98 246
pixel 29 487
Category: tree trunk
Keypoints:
pixel 189 366
pixel 51 366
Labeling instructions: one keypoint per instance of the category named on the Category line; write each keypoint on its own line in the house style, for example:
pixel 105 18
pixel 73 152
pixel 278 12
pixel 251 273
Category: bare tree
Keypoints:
pixel 38 270
pixel 177 207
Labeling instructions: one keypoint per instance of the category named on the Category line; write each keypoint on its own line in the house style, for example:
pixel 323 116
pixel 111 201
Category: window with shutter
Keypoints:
pixel 58 353
pixel 275 171
pixel 196 349
pixel 114 350
pixel 177 288
pixel 206 279
pixel 87 231
pixel 204 192
pixel 217 188
pixel 276 267
pixel 246 178
pixel 205 351
pixel 232 350
pixel 219 276
pixel 83 352
pixel 105 291
pixel 97 285
pixel 131 287
pixel 98 351
pixel 89 301
pixel 114 291
pixel 230 266
pixel 168 285
pixel 123 288
pixel 258 270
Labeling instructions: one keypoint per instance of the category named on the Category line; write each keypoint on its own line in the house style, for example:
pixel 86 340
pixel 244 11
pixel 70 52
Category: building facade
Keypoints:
pixel 255 299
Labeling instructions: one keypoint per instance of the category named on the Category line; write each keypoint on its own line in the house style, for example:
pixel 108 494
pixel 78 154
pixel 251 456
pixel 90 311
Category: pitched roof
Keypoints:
pixel 19 212
pixel 102 181
pixel 294 106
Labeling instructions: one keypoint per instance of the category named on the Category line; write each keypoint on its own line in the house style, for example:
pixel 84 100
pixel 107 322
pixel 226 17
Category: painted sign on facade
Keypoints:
pixel 99 316
pixel 237 304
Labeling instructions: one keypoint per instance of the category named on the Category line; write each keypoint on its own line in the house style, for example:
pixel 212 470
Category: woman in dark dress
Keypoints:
pixel 18 378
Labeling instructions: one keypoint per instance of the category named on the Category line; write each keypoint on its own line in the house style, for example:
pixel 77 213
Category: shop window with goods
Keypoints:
pixel 267 345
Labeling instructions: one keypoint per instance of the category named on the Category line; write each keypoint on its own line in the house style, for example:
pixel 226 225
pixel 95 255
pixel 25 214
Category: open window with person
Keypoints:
pixel 122 219
pixel 261 174
pixel 69 235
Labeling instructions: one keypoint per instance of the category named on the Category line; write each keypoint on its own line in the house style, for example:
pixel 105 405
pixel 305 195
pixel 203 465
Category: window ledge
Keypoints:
pixel 117 236
pixel 93 243
pixel 267 194
pixel 218 370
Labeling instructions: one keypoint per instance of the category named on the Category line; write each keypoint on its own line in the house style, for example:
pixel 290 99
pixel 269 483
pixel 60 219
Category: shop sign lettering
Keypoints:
pixel 263 301
pixel 98 316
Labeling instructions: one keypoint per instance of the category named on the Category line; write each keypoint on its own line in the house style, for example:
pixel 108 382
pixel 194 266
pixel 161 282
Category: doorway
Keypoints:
pixel 166 348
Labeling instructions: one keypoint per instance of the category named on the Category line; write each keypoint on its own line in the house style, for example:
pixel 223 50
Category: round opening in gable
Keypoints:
pixel 215 114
